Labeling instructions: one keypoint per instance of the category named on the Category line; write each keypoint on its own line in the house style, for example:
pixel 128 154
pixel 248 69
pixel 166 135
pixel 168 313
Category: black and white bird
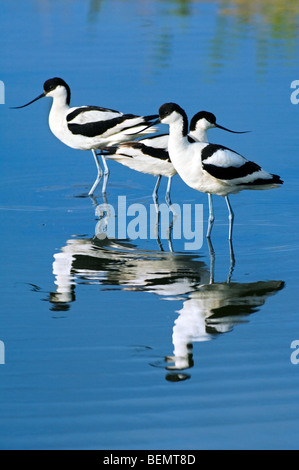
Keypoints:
pixel 150 155
pixel 90 127
pixel 211 168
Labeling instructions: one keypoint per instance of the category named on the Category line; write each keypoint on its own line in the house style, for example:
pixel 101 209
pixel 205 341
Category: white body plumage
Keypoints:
pixel 211 168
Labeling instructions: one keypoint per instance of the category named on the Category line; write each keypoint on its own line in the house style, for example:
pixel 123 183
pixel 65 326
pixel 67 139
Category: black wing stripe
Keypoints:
pixel 93 129
pixel 152 151
pixel 210 149
pixel 231 172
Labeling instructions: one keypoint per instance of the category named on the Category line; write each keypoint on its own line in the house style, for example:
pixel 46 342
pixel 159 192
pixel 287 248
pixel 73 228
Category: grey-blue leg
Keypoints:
pixel 155 192
pixel 106 174
pixel 230 217
pixel 167 195
pixel 211 215
pixel 99 175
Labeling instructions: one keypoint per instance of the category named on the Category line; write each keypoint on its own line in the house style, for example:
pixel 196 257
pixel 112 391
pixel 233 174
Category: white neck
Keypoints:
pixel 200 135
pixel 185 156
pixel 59 103
pixel 57 121
pixel 176 137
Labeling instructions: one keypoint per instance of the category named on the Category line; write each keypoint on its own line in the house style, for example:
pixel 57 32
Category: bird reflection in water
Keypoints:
pixel 108 261
pixel 209 308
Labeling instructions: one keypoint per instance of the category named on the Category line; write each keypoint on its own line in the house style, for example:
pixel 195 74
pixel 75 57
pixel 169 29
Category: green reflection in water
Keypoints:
pixel 270 27
pixel 94 9
pixel 271 24
pixel 279 15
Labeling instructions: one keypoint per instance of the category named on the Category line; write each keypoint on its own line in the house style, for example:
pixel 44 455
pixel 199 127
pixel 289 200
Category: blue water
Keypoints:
pixel 142 344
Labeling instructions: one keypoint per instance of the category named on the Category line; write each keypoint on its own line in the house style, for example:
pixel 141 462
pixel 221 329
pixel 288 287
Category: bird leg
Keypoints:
pixel 211 215
pixel 99 175
pixel 167 195
pixel 155 193
pixel 230 217
pixel 106 174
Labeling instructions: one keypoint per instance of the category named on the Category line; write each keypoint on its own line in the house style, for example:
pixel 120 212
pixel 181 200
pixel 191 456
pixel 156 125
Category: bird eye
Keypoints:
pixel 165 112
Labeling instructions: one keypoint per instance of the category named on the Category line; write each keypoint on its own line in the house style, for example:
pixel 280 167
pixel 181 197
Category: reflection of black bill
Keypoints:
pixel 30 102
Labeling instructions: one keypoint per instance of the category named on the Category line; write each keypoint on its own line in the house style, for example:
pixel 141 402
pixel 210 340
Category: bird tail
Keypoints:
pixel 276 179
pixel 264 182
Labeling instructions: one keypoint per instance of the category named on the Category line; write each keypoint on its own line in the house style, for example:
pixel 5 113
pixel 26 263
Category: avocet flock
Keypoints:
pixel 208 168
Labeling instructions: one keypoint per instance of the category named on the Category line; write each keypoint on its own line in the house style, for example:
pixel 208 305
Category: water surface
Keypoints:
pixel 141 344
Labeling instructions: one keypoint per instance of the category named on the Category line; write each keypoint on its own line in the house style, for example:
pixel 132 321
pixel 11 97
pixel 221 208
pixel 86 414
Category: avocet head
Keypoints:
pixel 204 120
pixel 55 88
pixel 170 113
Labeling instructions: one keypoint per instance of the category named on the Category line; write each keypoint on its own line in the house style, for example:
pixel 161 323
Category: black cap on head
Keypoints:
pixel 210 117
pixel 168 108
pixel 53 83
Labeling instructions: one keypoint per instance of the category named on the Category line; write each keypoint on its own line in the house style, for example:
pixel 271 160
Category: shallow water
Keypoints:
pixel 142 343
